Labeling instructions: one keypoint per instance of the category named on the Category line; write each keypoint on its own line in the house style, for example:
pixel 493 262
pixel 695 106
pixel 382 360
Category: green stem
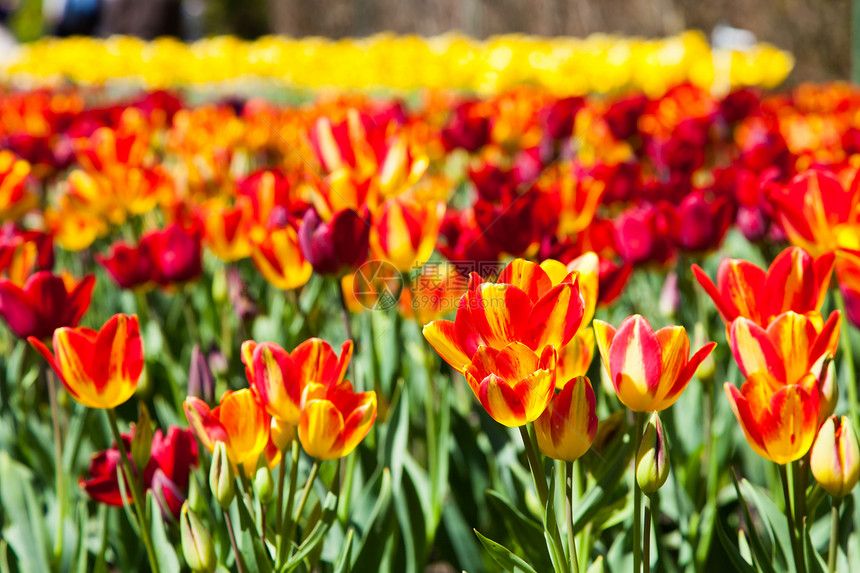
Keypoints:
pixel 795 549
pixel 134 486
pixel 799 483
pixel 283 543
pixel 834 535
pixel 190 318
pixel 637 497
pixel 848 354
pixel 304 499
pixel 646 547
pixel 568 510
pixel 239 565
pixel 279 503
pixel 536 468
pixel 62 499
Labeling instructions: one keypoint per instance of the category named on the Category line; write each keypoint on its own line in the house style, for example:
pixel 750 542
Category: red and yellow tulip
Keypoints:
pixel 334 419
pixel 100 369
pixel 567 427
pixel 649 370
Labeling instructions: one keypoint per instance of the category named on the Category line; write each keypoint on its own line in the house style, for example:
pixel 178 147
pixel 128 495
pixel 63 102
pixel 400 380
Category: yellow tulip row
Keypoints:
pixel 564 66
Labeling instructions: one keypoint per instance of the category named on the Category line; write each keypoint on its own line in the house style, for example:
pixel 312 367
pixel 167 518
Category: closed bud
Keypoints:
pixel 828 391
pixel 652 459
pixel 835 457
pixel 219 285
pixel 221 476
pixel 196 542
pixel 706 369
pixel 141 442
pixel 197 498
pixel 201 382
pixel 264 485
pixel 670 297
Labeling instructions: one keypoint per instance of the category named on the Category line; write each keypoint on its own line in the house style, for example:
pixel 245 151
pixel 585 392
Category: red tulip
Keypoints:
pixel 176 253
pixel 128 266
pixel 44 303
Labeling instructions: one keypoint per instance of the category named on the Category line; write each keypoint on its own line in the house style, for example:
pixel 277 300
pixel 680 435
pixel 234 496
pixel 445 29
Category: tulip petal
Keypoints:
pixel 753 349
pixel 556 317
pixel 442 336
pixel 500 313
pixel 528 276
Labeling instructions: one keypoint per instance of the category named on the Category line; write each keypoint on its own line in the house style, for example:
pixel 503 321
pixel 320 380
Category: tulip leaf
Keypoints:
pixel 25 532
pixel 377 528
pixel 250 533
pixel 504 557
pixel 773 516
pixel 165 554
pixel 732 551
pixel 316 536
pixel 413 509
pixel 814 562
pixel 344 564
pixel 527 532
pixel 762 558
pixel 82 553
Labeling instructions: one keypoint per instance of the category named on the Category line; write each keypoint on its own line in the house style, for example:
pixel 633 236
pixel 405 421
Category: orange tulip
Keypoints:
pixel 794 281
pixel 405 229
pixel 280 378
pixel 334 420
pixel 15 198
pixel 240 421
pixel 99 369
pixel 279 259
pixel 648 369
pixel 567 427
pixel 227 230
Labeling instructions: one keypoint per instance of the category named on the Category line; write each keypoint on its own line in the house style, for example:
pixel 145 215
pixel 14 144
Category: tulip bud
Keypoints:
pixel 706 369
pixel 828 390
pixel 264 485
pixel 219 285
pixel 197 499
pixel 835 457
pixel 141 443
pixel 196 543
pixel 652 460
pixel 201 382
pixel 670 297
pixel 221 476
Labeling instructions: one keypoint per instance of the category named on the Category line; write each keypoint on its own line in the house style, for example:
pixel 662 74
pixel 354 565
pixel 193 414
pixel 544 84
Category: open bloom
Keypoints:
pixel 280 260
pixel 405 230
pixel 566 429
pixel 835 457
pixel 100 369
pixel 240 421
pixel 794 281
pixel 128 266
pixel 523 306
pixel 44 303
pixel 335 419
pixel 280 378
pixel 649 370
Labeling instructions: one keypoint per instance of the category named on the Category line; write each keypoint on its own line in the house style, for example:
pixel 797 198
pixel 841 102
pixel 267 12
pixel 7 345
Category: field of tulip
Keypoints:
pixel 522 323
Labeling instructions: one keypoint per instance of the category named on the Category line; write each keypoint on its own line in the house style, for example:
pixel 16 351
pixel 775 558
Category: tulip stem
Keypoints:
pixel 304 499
pixel 646 545
pixel 134 486
pixel 291 496
pixel 239 565
pixel 190 319
pixel 848 354
pixel 534 464
pixel 571 541
pixel 795 548
pixel 834 535
pixel 637 497
pixel 58 457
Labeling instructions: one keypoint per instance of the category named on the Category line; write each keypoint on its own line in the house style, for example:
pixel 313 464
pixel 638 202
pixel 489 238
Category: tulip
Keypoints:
pixel 779 422
pixel 405 230
pixel 279 378
pixel 848 276
pixel 698 223
pixel 15 197
pixel 279 259
pixel 566 429
pixel 795 281
pixel 239 421
pixel 648 370
pixel 44 303
pixel 24 252
pixel 197 545
pixel 264 485
pixel 334 420
pixel 201 381
pixel 176 253
pixel 130 267
pixel 99 369
pixel 227 230
pixel 835 457
pixel 652 459
pixel 337 246
pixel 523 307
pixel 221 476
pixel 641 234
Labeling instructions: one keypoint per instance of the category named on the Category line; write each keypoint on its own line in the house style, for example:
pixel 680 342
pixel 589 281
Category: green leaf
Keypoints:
pixel 762 558
pixel 774 517
pixel 376 529
pixel 317 535
pixel 161 545
pixel 25 533
pixel 504 556
pixel 527 532
pixel 732 551
pixel 344 564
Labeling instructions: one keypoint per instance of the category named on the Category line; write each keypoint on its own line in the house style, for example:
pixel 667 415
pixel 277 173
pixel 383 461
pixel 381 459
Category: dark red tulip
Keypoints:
pixel 337 246
pixel 172 458
pixel 622 117
pixel 468 127
pixel 699 223
pixel 641 235
pixel 128 266
pixel 557 118
pixel 176 253
pixel 739 104
pixel 45 302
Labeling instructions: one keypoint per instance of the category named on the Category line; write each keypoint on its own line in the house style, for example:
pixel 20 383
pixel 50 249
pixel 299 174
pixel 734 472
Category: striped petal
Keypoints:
pixel 753 349
pixel 500 313
pixel 442 336
pixel 320 429
pixel 635 363
pixel 556 317
pixel 604 333
pixel 530 277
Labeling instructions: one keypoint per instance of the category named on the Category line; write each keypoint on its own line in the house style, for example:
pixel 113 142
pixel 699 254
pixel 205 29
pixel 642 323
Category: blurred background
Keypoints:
pixel 818 32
